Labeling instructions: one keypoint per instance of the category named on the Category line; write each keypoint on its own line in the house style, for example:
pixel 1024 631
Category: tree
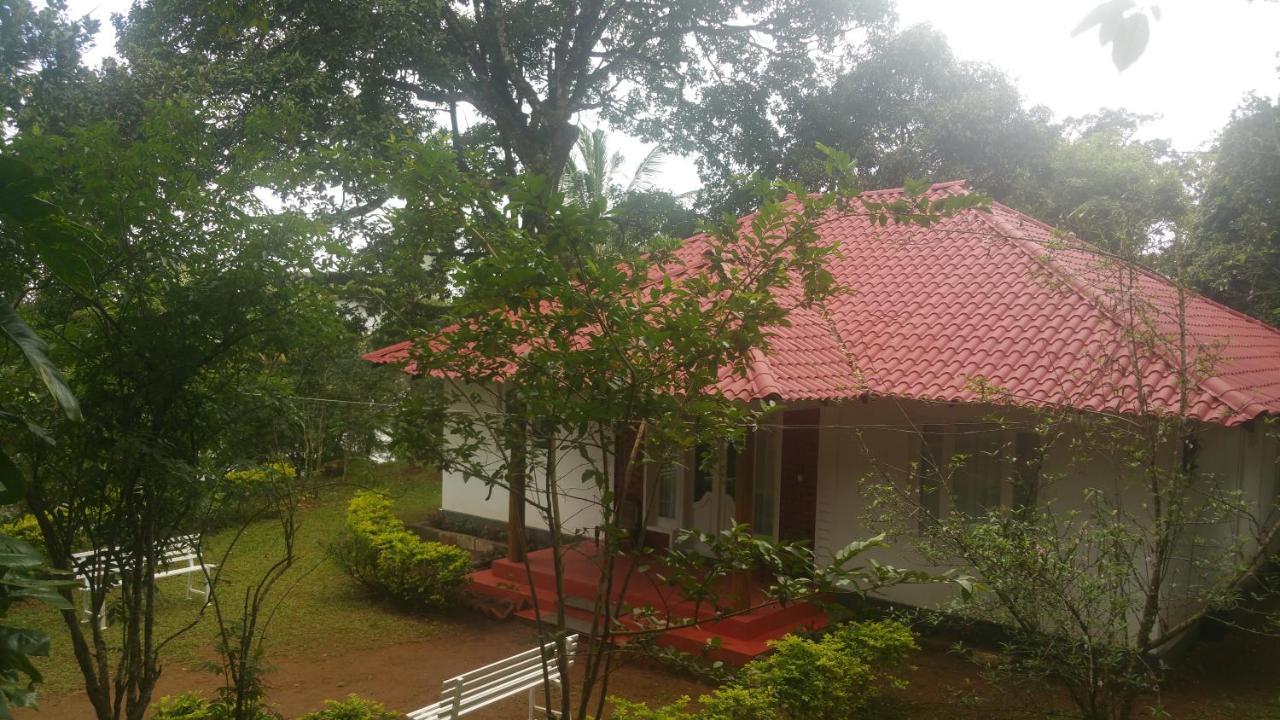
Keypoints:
pixel 904 107
pixel 1113 190
pixel 163 338
pixel 593 176
pixel 38 49
pixel 1235 246
pixel 528 69
pixel 23 569
pixel 638 214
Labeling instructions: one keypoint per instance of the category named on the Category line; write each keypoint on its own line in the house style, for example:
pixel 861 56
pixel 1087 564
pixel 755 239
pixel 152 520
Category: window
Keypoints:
pixel 764 484
pixel 1027 457
pixel 668 482
pixel 976 469
pixel 928 472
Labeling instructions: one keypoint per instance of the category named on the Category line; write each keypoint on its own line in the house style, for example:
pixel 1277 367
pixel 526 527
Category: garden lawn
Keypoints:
pixel 318 610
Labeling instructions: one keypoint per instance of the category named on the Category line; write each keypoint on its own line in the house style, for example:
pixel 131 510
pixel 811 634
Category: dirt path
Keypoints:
pixel 1222 676
pixel 402 677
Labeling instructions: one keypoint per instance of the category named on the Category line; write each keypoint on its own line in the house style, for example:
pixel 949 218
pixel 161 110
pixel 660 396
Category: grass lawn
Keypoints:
pixel 323 613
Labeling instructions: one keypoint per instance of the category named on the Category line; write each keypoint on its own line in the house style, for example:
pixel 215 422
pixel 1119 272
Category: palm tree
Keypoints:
pixel 589 178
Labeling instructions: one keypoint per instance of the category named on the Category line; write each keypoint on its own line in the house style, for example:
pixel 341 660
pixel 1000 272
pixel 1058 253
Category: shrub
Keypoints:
pixel 187 706
pixel 192 706
pixel 242 494
pixel 25 528
pixel 380 552
pixel 353 708
pixel 835 677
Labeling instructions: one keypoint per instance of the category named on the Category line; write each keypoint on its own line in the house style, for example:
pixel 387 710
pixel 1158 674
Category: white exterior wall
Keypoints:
pixel 578 499
pixel 879 440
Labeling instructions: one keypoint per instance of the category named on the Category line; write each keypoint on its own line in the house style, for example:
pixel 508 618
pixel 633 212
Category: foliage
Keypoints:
pixel 24 528
pixel 353 708
pixel 380 552
pixel 909 108
pixel 41 47
pixel 193 706
pixel 638 214
pixel 1235 248
pixel 188 706
pixel 162 321
pixel 245 492
pixel 23 576
pixel 528 70
pixel 837 676
pixel 416 425
pixel 23 573
pixel 1127 196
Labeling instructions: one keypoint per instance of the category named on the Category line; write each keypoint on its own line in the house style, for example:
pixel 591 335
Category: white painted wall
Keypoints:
pixel 879 439
pixel 578 499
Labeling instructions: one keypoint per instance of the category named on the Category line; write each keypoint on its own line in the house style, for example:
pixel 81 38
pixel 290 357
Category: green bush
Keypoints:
pixel 192 706
pixel 837 676
pixel 353 708
pixel 380 552
pixel 187 706
pixel 25 528
pixel 242 494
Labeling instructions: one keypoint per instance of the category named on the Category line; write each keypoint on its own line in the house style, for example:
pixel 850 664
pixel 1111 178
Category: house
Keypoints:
pixel 943 329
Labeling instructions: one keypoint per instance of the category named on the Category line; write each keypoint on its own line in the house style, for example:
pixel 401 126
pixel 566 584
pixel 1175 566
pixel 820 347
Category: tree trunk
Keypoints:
pixel 517 471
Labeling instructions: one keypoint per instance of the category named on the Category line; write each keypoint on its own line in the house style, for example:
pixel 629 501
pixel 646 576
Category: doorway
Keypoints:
pixel 715 472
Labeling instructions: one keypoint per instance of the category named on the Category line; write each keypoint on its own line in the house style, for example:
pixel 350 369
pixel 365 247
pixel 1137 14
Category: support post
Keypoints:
pixel 743 513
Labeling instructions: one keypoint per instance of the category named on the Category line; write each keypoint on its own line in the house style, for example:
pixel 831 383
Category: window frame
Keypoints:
pixel 949 430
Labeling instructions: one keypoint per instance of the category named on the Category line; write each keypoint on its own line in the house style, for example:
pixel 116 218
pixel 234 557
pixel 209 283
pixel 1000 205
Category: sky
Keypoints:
pixel 1203 58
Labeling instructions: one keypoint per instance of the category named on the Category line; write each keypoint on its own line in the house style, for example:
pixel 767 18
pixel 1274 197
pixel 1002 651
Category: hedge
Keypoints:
pixel 381 553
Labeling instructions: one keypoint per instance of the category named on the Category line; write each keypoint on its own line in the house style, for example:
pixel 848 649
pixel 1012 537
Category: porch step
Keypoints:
pixel 735 640
pixel 581 594
pixel 577 620
pixel 484 582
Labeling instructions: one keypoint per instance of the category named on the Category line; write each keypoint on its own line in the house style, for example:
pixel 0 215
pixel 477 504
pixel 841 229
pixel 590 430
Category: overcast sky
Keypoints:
pixel 1204 56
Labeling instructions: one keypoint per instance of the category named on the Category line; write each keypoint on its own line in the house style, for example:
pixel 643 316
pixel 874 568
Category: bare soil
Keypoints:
pixel 402 677
pixel 1230 675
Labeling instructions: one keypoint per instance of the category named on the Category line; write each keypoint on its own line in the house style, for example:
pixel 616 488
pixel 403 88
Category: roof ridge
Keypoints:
pixel 932 186
pixel 1022 242
pixel 760 373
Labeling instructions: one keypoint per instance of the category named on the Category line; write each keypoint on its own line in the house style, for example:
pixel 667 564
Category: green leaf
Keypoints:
pixel 24 641
pixel 21 334
pixel 62 249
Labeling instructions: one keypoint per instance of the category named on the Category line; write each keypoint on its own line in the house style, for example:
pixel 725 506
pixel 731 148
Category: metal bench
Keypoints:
pixel 498 681
pixel 178 556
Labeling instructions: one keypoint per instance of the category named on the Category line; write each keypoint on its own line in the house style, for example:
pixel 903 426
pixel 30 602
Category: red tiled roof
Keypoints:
pixel 996 307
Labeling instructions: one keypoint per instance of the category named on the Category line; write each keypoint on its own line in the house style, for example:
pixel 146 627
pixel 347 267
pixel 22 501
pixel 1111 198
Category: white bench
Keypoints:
pixel 498 681
pixel 178 556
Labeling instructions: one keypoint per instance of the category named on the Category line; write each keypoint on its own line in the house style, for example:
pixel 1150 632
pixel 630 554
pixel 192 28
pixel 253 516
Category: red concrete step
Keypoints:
pixel 737 639
pixel 702 640
pixel 543 578
pixel 484 582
